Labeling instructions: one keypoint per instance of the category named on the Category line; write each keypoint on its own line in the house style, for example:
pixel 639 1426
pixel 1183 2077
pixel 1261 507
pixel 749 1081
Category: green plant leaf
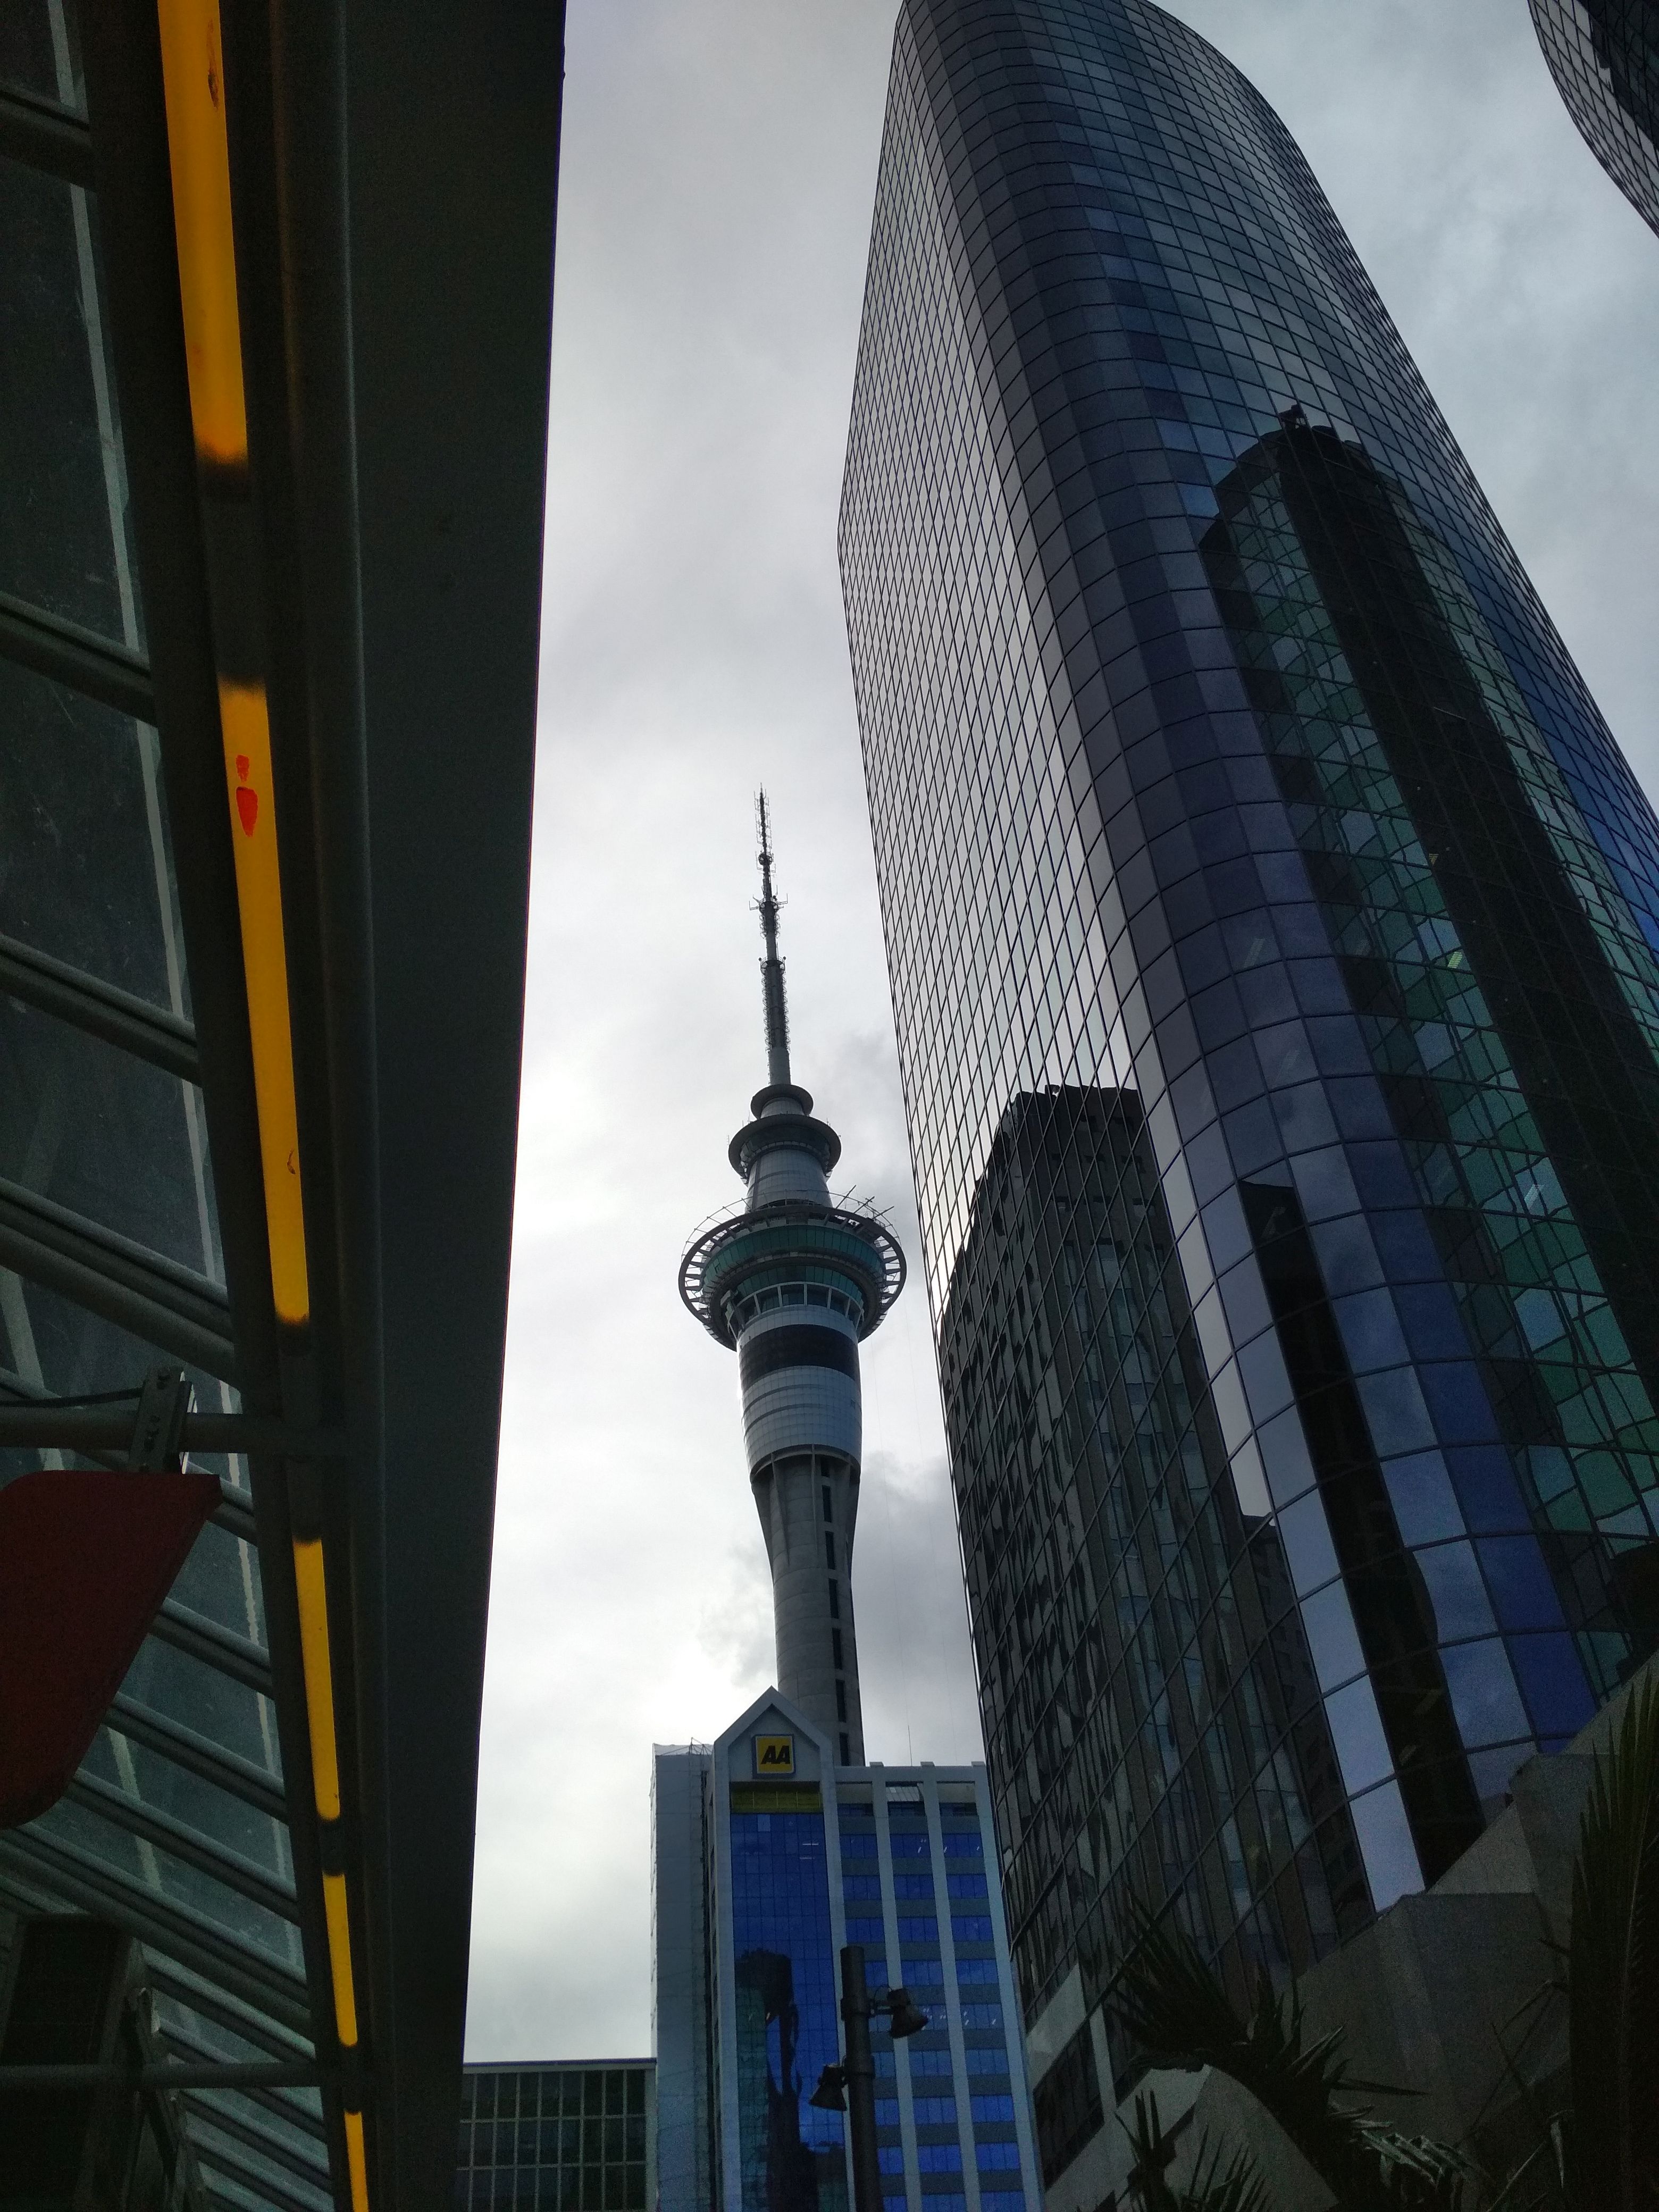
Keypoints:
pixel 1175 2006
pixel 1612 2140
pixel 1235 2186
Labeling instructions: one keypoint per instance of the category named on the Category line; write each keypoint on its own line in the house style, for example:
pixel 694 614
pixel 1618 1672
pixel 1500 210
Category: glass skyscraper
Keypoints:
pixel 1604 56
pixel 1272 922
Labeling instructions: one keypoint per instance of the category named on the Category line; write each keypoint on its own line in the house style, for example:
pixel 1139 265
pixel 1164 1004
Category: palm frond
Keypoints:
pixel 1235 2186
pixel 1612 1974
pixel 1175 2006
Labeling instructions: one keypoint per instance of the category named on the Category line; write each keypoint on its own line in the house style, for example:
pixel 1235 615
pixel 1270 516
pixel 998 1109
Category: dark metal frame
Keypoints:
pixel 395 341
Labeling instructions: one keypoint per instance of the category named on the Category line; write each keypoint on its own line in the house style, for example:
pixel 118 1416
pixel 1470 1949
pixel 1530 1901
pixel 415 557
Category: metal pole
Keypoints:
pixel 860 2076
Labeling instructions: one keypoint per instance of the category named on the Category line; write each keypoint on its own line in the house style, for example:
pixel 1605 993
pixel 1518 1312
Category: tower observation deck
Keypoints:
pixel 794 1283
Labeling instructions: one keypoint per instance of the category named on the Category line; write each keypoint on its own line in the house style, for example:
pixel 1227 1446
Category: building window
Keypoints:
pixel 1068 2107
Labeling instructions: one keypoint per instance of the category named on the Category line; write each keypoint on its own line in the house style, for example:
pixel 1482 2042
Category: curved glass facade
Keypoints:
pixel 1272 925
pixel 1604 56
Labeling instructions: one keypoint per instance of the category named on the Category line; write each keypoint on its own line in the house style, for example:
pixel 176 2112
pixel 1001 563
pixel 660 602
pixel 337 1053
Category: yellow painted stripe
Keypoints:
pixel 339 1957
pixel 192 73
pixel 246 725
pixel 199 157
pixel 318 1663
pixel 357 2161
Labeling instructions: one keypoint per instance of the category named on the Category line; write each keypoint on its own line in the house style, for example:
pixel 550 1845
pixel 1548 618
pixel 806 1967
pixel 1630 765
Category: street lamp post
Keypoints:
pixel 850 2087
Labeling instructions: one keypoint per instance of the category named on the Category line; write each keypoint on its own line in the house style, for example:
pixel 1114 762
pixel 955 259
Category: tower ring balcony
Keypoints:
pixel 739 1253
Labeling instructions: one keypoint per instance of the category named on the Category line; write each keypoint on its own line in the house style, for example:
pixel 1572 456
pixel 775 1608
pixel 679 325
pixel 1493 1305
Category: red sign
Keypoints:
pixel 85 1558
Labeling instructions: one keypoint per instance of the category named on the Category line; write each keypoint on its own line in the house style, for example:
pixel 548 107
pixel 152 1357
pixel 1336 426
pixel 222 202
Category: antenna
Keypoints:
pixel 777 1018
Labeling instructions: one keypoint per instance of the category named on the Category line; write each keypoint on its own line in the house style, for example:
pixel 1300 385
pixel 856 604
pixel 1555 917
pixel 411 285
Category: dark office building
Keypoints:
pixel 271 521
pixel 1102 1537
pixel 1271 921
pixel 564 2138
pixel 1604 56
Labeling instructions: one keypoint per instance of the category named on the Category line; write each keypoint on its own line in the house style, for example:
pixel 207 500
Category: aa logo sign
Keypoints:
pixel 775 1754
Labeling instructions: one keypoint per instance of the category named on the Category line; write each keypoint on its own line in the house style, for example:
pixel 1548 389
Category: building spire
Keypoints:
pixel 777 1017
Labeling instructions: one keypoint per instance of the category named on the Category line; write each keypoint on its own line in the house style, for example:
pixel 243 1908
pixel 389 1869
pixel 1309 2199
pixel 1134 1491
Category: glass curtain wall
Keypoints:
pixel 1215 741
pixel 1604 56
pixel 175 1828
pixel 787 2003
pixel 565 2139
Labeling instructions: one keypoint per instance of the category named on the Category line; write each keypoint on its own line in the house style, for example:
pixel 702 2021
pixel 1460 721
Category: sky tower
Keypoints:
pixel 794 1282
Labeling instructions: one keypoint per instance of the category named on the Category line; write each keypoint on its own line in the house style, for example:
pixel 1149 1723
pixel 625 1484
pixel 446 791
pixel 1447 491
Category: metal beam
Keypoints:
pixel 256 2073
pixel 172 1740
pixel 98 1009
pixel 263 2141
pixel 79 658
pixel 40 1424
pixel 233 1655
pixel 161 1923
pixel 191 2051
pixel 234 1512
pixel 229 2161
pixel 167 1306
pixel 45 136
pixel 185 1986
pixel 219 1863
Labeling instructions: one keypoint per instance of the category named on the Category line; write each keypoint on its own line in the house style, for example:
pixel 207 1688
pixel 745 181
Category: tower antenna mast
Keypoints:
pixel 777 1014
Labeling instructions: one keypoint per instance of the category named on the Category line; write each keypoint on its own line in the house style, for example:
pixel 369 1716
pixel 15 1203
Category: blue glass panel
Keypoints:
pixel 1483 1693
pixel 1523 1591
pixel 786 2027
pixel 997 2157
pixel 1551 1677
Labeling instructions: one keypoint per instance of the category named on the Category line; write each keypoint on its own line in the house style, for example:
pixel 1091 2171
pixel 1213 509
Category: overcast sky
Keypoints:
pixel 718 175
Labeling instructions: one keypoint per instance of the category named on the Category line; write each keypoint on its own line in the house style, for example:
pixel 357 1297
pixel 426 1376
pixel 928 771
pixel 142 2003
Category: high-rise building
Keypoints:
pixel 575 2135
pixel 1271 921
pixel 1604 56
pixel 786 1856
pixel 779 1843
pixel 270 527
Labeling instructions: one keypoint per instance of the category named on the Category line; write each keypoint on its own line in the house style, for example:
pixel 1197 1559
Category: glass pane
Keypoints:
pixel 149 1779
pixel 64 544
pixel 188 1690
pixel 140 1861
pixel 88 875
pixel 50 1346
pixel 110 1136
pixel 40 50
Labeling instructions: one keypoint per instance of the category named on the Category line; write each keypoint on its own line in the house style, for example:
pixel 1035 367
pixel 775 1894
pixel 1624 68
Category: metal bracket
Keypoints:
pixel 158 1433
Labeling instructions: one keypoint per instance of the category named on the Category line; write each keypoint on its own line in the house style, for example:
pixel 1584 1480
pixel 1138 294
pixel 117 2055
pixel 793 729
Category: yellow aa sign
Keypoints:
pixel 775 1754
